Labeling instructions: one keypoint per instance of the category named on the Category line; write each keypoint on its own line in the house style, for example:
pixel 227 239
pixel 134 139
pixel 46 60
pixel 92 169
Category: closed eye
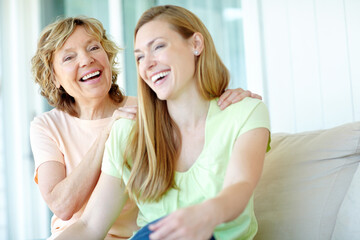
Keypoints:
pixel 67 58
pixel 139 58
pixel 159 46
pixel 93 48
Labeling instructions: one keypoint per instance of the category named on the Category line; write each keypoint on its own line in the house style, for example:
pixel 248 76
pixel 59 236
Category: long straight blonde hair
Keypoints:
pixel 155 141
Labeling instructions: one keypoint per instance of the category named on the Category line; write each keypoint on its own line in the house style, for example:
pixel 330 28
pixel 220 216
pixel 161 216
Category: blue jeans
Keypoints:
pixel 143 233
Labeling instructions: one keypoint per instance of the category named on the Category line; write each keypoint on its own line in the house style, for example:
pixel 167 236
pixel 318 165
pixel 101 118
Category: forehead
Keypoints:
pixel 79 36
pixel 155 29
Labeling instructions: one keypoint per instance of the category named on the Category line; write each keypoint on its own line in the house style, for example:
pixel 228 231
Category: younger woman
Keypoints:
pixel 193 169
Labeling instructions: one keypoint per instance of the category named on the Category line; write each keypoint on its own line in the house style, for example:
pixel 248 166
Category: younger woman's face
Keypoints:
pixel 165 59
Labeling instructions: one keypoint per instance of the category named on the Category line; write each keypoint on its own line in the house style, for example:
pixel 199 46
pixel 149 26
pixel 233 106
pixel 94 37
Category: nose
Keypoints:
pixel 85 59
pixel 149 62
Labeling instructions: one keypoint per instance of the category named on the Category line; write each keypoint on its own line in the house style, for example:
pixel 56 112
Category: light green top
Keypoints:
pixel 205 178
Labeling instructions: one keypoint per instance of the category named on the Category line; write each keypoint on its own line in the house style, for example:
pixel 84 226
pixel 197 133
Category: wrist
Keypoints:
pixel 214 211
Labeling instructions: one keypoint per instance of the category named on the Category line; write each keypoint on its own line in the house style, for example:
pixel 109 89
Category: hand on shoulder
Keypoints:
pixel 231 96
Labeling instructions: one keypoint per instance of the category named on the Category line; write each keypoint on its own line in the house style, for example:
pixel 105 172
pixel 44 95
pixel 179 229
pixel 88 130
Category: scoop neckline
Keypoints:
pixel 180 174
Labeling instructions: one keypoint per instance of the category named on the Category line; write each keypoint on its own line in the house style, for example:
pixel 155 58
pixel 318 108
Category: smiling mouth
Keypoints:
pixel 91 76
pixel 159 76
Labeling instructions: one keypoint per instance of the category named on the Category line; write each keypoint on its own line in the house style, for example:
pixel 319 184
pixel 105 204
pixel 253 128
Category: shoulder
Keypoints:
pixel 116 145
pixel 239 117
pixel 131 101
pixel 123 124
pixel 48 119
pixel 244 108
pixel 52 115
pixel 247 104
pixel 121 129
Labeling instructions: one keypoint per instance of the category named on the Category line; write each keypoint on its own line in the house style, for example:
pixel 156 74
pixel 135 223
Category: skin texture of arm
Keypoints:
pixel 243 173
pixel 104 206
pixel 65 195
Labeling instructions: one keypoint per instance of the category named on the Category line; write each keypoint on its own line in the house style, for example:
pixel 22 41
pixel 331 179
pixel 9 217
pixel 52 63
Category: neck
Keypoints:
pixel 188 112
pixel 96 109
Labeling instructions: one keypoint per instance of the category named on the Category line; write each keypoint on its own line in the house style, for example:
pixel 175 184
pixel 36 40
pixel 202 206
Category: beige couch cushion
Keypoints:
pixel 347 225
pixel 305 178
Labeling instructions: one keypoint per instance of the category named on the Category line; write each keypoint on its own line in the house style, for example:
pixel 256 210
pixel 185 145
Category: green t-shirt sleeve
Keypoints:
pixel 257 117
pixel 115 146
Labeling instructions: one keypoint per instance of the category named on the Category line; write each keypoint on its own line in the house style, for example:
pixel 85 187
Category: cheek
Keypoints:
pixel 67 70
pixel 106 62
pixel 141 72
pixel 58 75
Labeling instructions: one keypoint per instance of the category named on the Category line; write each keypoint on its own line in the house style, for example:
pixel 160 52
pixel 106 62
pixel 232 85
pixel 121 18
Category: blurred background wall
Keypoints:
pixel 303 57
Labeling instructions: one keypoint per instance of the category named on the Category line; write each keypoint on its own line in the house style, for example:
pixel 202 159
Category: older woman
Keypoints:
pixel 75 68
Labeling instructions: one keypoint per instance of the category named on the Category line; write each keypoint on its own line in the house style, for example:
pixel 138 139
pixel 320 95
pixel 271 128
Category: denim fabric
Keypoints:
pixel 143 233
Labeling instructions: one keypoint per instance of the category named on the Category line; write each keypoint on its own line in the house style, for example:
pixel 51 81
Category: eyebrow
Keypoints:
pixel 87 42
pixel 148 44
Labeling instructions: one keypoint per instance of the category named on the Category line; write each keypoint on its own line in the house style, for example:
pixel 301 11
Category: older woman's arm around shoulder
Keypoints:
pixel 104 206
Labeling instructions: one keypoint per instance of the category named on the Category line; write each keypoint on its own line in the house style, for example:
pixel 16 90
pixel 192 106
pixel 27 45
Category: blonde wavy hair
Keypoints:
pixel 155 139
pixel 53 38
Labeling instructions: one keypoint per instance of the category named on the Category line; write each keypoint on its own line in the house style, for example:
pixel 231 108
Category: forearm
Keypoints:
pixel 82 232
pixel 229 203
pixel 69 195
pixel 104 206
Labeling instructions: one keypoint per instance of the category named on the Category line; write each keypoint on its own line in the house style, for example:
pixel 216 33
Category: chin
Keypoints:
pixel 160 96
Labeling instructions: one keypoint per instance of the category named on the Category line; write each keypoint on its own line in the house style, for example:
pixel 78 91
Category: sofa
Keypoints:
pixel 310 187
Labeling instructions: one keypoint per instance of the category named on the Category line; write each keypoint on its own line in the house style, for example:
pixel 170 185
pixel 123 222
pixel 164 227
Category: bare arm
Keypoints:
pixel 243 173
pixel 65 195
pixel 104 206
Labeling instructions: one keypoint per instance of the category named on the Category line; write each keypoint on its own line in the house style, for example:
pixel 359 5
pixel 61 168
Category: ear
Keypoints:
pixel 197 43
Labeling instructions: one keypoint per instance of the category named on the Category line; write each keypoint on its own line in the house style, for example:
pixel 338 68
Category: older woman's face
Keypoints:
pixel 82 67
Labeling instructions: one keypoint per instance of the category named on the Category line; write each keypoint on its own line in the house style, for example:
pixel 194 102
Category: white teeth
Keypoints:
pixel 86 77
pixel 159 75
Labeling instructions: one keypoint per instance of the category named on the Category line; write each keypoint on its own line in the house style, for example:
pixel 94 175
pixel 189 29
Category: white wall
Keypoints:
pixel 304 57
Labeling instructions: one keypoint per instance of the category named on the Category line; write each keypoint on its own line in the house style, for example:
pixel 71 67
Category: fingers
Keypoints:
pixel 158 224
pixel 187 223
pixel 224 96
pixel 160 229
pixel 254 95
pixel 231 96
pixel 128 112
pixel 171 227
